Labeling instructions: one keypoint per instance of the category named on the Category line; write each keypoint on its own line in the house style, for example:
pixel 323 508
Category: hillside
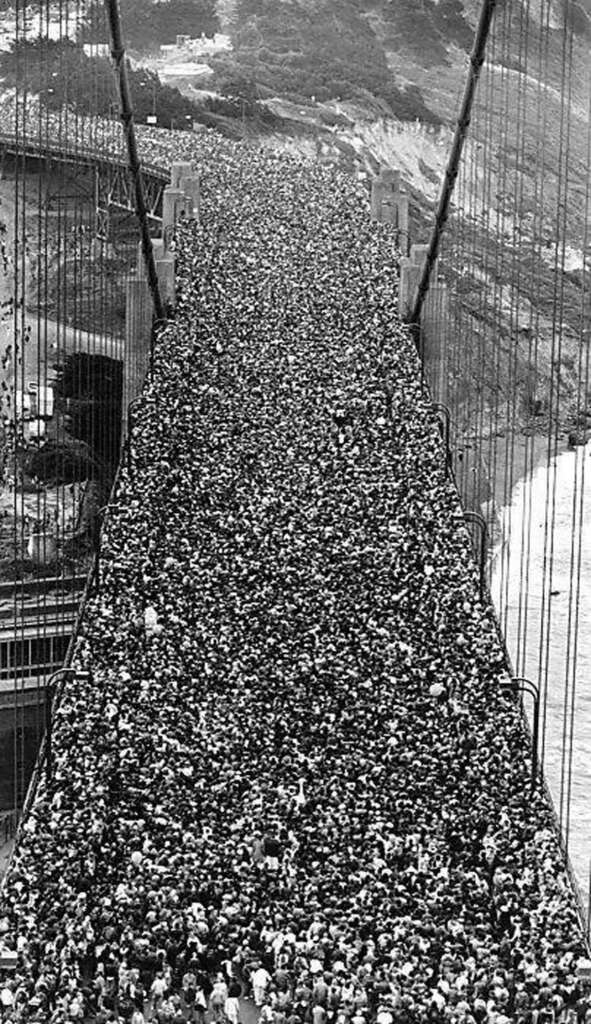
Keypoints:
pixel 324 50
pixel 364 83
pixel 405 56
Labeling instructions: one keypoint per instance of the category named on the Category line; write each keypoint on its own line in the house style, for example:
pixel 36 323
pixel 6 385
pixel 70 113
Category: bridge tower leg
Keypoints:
pixel 165 269
pixel 191 186
pixel 410 274
pixel 180 199
pixel 175 206
pixel 389 204
pixel 435 328
pixel 178 171
pixel 184 179
pixel 138 329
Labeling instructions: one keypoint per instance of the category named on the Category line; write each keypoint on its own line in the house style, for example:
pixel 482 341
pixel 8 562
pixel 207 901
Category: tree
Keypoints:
pixel 147 25
pixel 320 48
pixel 93 386
pixel 323 49
pixel 64 75
pixel 62 462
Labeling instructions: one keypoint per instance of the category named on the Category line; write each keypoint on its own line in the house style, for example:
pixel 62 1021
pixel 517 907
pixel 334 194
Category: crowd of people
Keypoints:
pixel 24 118
pixel 289 767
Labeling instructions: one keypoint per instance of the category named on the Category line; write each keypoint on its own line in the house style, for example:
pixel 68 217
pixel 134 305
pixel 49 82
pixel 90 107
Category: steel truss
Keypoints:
pixel 107 178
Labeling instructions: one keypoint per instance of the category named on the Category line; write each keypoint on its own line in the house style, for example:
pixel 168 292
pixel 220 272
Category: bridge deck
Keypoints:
pixel 296 717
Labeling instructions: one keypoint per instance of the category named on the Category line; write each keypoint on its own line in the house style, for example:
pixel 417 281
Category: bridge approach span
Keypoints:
pixel 110 178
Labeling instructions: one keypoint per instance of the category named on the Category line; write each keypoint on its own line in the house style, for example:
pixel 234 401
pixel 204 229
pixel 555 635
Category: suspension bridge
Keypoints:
pixel 294 710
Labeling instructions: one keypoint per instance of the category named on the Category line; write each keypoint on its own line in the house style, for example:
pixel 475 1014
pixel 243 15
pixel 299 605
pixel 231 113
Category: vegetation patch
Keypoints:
pixel 146 26
pixel 326 50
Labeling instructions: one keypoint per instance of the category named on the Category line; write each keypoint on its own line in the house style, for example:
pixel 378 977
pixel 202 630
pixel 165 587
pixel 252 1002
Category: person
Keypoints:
pixel 200 1004
pixel 6 998
pixel 272 852
pixel 232 1009
pixel 158 990
pixel 218 998
pixel 260 980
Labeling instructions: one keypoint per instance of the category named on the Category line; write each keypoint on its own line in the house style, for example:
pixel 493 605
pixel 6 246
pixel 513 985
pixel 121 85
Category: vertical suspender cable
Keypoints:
pixel 118 55
pixel 515 276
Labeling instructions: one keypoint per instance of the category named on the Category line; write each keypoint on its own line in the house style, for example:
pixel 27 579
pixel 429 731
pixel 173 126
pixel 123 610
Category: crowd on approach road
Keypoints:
pixel 293 771
pixel 25 118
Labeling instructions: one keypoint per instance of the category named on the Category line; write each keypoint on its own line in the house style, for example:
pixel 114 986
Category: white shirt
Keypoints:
pixel 7 996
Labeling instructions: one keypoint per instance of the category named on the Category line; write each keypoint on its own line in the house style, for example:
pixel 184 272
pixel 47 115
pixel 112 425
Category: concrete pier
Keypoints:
pixel 411 268
pixel 390 204
pixel 434 337
pixel 138 330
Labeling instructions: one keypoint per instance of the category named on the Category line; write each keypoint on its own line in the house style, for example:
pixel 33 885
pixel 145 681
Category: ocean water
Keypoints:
pixel 541 587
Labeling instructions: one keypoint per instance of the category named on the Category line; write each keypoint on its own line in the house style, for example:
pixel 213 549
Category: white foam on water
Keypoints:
pixel 541 587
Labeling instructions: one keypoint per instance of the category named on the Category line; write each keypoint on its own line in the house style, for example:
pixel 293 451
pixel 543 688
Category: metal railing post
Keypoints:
pixel 522 685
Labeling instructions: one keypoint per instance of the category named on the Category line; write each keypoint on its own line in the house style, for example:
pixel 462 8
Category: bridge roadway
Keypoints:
pixel 345 566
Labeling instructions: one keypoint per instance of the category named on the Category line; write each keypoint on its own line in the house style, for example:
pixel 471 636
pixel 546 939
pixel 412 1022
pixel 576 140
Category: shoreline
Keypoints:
pixel 519 605
pixel 530 452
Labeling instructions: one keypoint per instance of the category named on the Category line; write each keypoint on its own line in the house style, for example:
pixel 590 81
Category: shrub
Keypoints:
pixel 147 25
pixel 325 49
pixel 64 75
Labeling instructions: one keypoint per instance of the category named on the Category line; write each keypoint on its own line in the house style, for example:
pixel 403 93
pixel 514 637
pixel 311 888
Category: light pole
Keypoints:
pixel 50 688
pixel 521 685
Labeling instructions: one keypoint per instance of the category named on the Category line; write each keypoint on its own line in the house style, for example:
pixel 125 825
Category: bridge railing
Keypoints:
pixel 32 146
